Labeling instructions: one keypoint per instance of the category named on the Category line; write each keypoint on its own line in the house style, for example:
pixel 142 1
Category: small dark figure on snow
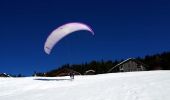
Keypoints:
pixel 71 75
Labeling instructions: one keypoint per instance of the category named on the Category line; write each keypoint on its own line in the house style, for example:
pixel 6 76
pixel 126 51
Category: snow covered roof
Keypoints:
pixel 90 71
pixel 4 75
pixel 63 72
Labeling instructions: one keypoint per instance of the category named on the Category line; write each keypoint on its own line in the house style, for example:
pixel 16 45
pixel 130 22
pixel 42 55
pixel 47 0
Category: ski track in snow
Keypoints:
pixel 147 85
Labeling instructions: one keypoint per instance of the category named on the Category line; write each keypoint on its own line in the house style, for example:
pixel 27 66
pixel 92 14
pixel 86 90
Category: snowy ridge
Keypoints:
pixel 147 85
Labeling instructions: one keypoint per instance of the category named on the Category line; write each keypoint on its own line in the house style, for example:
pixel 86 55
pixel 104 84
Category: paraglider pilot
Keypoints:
pixel 71 75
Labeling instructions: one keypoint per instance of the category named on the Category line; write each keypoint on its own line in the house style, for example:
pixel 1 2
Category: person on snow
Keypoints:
pixel 71 75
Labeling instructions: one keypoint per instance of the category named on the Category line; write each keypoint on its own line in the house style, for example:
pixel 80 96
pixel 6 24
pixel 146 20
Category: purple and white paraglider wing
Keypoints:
pixel 63 31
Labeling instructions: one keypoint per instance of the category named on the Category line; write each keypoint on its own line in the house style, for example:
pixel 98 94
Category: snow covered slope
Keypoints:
pixel 151 85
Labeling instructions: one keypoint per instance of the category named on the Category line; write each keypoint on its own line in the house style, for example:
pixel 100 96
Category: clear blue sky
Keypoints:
pixel 123 28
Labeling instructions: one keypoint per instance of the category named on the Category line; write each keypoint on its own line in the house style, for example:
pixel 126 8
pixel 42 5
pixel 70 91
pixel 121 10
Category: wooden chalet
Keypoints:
pixel 129 65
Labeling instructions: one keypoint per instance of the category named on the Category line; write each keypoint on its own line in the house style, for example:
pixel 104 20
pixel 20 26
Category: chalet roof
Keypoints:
pixel 66 71
pixel 4 75
pixel 90 71
pixel 132 59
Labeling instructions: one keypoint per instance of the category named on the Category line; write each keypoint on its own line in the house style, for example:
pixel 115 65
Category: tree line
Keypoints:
pixel 155 62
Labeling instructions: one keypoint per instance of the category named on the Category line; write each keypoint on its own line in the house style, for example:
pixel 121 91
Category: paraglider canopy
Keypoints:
pixel 63 31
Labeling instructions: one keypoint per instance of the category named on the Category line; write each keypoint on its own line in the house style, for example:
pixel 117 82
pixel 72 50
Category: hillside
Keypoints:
pixel 149 85
pixel 155 62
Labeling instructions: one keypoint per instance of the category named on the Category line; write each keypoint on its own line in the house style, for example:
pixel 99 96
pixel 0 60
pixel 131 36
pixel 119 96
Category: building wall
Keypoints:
pixel 131 66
